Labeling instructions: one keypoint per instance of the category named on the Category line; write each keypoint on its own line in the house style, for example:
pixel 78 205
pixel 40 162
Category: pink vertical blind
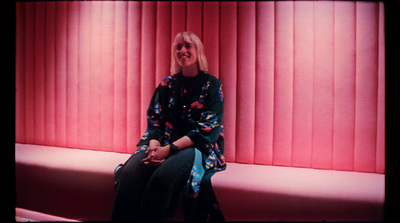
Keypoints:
pixel 303 80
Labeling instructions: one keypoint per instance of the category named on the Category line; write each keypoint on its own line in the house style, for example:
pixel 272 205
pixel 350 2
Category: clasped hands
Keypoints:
pixel 156 154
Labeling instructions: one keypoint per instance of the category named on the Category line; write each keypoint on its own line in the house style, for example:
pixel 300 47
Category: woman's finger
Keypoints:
pixel 157 162
pixel 149 157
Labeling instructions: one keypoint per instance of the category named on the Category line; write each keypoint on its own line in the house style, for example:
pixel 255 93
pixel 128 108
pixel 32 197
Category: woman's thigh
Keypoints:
pixel 169 177
pixel 134 177
pixel 176 168
pixel 135 173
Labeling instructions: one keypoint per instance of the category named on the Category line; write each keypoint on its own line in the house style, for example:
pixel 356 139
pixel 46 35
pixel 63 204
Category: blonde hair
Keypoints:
pixel 188 37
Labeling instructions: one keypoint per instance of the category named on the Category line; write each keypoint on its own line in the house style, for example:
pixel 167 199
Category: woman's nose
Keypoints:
pixel 183 50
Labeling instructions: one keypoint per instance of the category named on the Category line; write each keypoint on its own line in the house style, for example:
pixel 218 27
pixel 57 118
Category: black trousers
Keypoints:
pixel 145 191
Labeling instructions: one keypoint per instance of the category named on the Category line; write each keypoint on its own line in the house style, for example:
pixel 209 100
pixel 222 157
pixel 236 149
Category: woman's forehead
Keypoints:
pixel 182 40
pixel 183 43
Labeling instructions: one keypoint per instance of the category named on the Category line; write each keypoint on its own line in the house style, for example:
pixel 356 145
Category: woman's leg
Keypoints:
pixel 171 176
pixel 134 178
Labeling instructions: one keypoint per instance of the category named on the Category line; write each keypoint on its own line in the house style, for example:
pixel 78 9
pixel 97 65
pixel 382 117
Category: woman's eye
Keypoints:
pixel 179 47
pixel 188 46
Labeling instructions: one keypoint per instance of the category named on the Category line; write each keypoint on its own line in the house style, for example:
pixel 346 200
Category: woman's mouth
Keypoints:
pixel 183 58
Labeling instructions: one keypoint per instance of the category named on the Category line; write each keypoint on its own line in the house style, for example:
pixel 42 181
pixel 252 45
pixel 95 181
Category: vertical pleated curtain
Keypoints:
pixel 304 81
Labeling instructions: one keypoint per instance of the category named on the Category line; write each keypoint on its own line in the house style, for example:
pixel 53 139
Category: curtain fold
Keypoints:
pixel 344 85
pixel 264 98
pixel 246 74
pixel 304 81
pixel 228 70
pixel 323 86
pixel 283 86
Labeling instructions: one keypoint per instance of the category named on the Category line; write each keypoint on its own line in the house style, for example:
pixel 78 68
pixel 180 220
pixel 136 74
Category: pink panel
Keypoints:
pixel 283 109
pixel 380 144
pixel 163 44
pixel 323 85
pixel 303 83
pixel 246 82
pixel 39 75
pixel 120 77
pixel 210 40
pixel 30 72
pixel 344 98
pixel 194 17
pixel 133 77
pixel 72 74
pixel 50 77
pixel 264 115
pixel 84 78
pixel 228 74
pixel 367 46
pixel 148 59
pixel 61 74
pixel 95 75
pixel 107 76
pixel 20 121
pixel 178 18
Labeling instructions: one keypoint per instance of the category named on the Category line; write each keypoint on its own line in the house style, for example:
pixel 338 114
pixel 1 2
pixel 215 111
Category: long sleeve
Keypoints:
pixel 208 127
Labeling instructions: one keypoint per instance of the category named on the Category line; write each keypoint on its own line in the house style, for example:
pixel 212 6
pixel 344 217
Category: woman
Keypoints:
pixel 183 143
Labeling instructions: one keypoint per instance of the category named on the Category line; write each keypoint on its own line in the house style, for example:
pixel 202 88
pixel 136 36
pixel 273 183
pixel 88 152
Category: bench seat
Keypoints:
pixel 272 193
pixel 79 185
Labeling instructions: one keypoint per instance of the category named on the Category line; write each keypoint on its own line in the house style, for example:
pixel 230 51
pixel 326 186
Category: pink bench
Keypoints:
pixel 78 185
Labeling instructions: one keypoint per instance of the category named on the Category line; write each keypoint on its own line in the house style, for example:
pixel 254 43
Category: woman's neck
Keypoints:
pixel 190 71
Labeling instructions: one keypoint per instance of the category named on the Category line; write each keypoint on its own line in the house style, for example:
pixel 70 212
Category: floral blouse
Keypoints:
pixel 171 115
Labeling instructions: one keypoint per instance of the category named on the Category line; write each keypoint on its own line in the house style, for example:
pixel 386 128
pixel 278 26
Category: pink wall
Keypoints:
pixel 304 81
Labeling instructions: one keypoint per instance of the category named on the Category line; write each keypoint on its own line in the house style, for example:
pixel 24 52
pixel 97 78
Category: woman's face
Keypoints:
pixel 186 54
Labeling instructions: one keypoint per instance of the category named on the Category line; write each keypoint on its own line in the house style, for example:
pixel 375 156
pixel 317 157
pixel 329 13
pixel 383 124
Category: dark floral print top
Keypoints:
pixel 193 107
